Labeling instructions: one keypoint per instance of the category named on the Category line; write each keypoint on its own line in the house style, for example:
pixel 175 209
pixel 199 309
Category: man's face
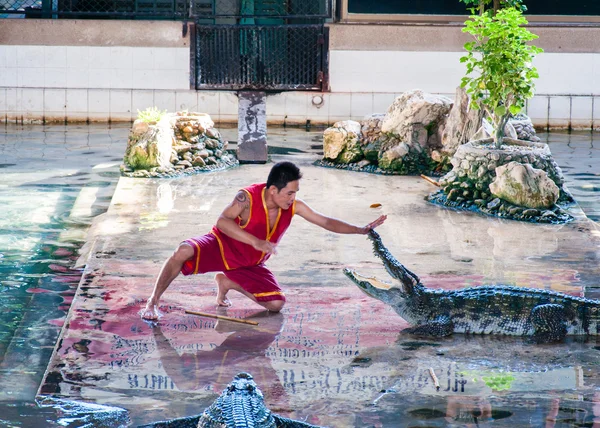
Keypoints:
pixel 286 196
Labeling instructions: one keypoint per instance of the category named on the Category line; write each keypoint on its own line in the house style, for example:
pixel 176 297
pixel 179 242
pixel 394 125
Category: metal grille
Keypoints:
pixel 143 9
pixel 256 12
pixel 259 9
pixel 258 57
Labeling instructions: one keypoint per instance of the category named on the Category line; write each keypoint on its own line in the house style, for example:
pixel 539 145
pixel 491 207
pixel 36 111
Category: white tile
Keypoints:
pixel 99 57
pixel 171 79
pixel 537 110
pixel 77 100
pixel 99 79
pixel 182 60
pixel 143 58
pixel 3 104
pixel 55 100
pixel 361 105
pixel 77 104
pixel 559 112
pixel 120 100
pixel 228 104
pixel 296 104
pixel 55 77
pixel 276 104
pixel 581 112
pixel 55 56
pixel 10 77
pixel 181 80
pixel 143 79
pixel 208 102
pixel 165 100
pixel 98 101
pixel 32 100
pixel 594 84
pixel 122 57
pixel 165 58
pixel 186 100
pixel 554 68
pixel 228 118
pixel 318 107
pixel 78 57
pixel 120 105
pixel 12 100
pixel 30 77
pixel 78 77
pixel 3 50
pixel 10 53
pixel 394 71
pixel 30 57
pixel 382 102
pixel 339 106
pixel 596 113
pixel 121 78
pixel 140 101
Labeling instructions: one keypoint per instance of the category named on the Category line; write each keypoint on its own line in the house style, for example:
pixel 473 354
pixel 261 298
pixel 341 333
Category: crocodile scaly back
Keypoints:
pixel 241 405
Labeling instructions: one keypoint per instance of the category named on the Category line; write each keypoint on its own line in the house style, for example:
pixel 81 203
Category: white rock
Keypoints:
pixel 524 185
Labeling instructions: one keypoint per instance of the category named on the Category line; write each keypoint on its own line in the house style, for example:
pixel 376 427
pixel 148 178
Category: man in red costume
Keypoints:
pixel 245 236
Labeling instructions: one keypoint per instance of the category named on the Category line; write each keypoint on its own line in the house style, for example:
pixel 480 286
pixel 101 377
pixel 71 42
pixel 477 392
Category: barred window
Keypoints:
pixel 455 7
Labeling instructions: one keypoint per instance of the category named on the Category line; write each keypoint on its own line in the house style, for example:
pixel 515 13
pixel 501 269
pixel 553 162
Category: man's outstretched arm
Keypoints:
pixel 334 224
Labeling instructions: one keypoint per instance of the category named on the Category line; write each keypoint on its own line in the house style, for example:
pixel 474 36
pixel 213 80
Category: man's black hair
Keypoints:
pixel 282 173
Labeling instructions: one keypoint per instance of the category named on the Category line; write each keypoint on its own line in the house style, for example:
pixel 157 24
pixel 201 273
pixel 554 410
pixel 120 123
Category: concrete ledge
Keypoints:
pixel 89 32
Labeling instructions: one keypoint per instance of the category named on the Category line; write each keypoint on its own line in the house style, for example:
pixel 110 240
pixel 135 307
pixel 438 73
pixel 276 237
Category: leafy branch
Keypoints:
pixel 500 75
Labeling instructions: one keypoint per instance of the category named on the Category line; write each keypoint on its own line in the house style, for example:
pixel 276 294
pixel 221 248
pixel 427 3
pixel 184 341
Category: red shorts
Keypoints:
pixel 256 280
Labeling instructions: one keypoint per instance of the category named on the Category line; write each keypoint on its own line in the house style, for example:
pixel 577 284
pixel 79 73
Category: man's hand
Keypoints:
pixel 372 225
pixel 265 246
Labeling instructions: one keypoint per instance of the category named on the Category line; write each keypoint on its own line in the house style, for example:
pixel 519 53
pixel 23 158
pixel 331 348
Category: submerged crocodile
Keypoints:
pixel 240 405
pixel 488 309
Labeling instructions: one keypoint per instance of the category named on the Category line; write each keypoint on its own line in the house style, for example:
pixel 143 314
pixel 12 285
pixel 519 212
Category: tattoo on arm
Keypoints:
pixel 242 199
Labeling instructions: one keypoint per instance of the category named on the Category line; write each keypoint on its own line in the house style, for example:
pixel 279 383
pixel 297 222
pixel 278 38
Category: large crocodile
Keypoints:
pixel 488 309
pixel 240 405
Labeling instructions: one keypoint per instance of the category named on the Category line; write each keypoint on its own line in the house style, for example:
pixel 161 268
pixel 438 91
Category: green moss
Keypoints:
pixel 151 114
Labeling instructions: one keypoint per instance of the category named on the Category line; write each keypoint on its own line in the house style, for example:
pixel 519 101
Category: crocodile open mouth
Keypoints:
pixel 376 283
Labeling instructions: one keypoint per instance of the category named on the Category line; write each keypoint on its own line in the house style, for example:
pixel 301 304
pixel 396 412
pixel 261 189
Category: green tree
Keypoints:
pixel 500 75
pixel 482 5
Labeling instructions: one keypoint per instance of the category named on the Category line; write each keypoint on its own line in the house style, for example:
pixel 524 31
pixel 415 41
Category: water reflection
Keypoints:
pixel 244 346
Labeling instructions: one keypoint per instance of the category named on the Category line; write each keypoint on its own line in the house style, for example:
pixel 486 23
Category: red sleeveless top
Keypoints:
pixel 237 254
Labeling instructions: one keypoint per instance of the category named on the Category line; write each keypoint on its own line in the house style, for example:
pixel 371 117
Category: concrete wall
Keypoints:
pixel 57 70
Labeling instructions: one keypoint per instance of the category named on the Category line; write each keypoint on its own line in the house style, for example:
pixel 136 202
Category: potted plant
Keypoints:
pixel 502 179
pixel 500 75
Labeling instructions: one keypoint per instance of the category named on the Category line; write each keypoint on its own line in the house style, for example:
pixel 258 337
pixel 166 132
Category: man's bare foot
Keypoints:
pixel 151 312
pixel 222 281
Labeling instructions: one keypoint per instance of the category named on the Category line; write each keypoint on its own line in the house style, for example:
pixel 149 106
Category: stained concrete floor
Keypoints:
pixel 334 356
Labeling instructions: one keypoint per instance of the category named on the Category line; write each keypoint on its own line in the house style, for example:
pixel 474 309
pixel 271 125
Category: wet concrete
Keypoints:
pixel 334 356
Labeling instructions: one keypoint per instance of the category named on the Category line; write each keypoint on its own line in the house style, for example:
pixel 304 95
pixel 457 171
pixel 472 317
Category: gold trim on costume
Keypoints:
pixel 249 215
pixel 197 265
pixel 221 250
pixel 269 293
pixel 294 208
pixel 270 231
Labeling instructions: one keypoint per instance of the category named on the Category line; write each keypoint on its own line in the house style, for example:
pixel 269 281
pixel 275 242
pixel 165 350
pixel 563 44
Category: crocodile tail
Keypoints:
pixel 396 269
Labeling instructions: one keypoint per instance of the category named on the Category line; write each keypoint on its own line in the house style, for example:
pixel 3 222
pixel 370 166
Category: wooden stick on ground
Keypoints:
pixel 220 317
pixel 435 379
pixel 435 183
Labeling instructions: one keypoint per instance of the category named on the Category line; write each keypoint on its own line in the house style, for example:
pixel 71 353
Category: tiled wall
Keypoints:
pixel 97 83
pixel 293 108
pixel 98 67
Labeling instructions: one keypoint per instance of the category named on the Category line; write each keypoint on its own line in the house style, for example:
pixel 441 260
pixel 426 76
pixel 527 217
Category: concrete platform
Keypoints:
pixel 332 351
